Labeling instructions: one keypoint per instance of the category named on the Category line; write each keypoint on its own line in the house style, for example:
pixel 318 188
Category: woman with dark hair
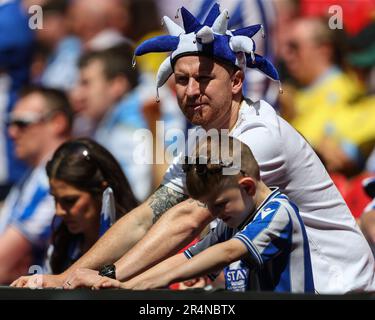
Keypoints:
pixel 90 192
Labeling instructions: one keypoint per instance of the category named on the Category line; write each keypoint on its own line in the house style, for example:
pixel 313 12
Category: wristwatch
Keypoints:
pixel 109 271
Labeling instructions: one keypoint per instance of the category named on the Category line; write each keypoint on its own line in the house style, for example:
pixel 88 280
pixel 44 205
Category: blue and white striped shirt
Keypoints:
pixel 16 48
pixel 279 256
pixel 29 208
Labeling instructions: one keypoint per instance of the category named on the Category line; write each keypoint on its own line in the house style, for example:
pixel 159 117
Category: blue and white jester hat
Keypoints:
pixel 212 38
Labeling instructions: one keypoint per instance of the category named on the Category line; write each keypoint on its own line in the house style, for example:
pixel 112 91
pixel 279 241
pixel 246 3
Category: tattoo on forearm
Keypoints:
pixel 163 199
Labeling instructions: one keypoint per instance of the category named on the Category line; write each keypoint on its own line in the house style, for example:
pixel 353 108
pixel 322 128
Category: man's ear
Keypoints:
pixel 119 86
pixel 249 185
pixel 59 124
pixel 237 81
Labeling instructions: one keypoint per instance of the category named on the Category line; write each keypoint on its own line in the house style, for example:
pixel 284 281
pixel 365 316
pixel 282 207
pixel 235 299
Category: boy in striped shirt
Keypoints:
pixel 258 226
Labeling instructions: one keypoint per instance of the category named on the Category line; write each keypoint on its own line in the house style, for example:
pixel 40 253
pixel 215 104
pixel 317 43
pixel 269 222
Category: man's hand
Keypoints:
pixel 105 283
pixel 38 281
pixel 81 278
pixel 145 284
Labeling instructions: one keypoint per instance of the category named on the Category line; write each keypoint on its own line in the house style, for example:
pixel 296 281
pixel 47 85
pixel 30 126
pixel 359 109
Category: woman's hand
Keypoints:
pixel 80 278
pixel 38 281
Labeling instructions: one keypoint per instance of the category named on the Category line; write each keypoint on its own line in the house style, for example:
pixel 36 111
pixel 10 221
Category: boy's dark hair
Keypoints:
pixel 117 61
pixel 207 178
pixel 56 101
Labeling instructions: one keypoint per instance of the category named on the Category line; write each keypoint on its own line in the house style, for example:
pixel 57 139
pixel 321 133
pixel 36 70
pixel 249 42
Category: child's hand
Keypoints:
pixel 105 283
pixel 193 283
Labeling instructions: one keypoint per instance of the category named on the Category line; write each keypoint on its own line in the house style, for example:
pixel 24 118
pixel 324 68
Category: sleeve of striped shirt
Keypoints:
pixel 268 234
pixel 35 220
pixel 217 235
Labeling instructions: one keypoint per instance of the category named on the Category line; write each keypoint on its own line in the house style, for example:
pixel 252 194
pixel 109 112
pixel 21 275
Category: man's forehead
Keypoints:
pixel 303 29
pixel 33 102
pixel 202 63
pixel 93 66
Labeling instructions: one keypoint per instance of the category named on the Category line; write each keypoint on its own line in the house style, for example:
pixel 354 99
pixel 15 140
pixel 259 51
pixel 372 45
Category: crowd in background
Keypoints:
pixel 76 77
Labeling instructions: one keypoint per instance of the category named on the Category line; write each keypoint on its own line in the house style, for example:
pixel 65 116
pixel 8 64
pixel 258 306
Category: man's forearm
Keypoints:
pixel 175 229
pixel 126 232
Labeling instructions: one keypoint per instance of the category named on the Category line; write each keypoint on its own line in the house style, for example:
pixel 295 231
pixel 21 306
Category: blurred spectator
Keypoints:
pixel 314 57
pixel 367 222
pixel 61 70
pixel 90 192
pixel 39 123
pixel 356 14
pixel 370 163
pixel 355 197
pixel 108 95
pixel 352 130
pixel 16 47
pixel 147 24
pixel 287 11
pixel 91 21
pixel 363 59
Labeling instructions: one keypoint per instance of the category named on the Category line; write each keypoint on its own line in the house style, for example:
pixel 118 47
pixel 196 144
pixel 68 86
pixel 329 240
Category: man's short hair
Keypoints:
pixel 210 177
pixel 117 61
pixel 322 34
pixel 56 101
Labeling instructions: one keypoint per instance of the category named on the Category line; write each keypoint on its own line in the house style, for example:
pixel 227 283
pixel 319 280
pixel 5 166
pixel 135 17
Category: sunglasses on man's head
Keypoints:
pixel 26 120
pixel 201 166
pixel 20 123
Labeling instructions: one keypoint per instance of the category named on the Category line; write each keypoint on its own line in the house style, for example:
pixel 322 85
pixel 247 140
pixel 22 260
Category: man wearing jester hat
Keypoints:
pixel 207 61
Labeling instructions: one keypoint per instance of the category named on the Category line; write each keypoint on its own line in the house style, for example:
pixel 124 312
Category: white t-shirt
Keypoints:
pixel 341 258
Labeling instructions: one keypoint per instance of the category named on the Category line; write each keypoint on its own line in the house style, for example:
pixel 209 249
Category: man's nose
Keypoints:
pixel 13 131
pixel 193 88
